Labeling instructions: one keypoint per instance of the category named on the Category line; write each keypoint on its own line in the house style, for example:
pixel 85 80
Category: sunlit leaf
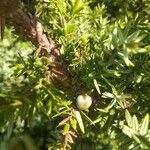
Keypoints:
pixel 73 124
pixel 66 128
pixel 16 103
pixel 135 123
pixel 49 107
pixel 79 120
pixel 96 86
pixel 112 103
pixel 144 125
pixel 128 118
pixel 103 121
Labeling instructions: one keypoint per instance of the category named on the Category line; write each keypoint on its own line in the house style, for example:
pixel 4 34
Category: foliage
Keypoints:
pixel 108 57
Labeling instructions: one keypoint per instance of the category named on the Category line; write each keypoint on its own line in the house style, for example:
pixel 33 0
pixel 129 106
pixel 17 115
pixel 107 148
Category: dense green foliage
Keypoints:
pixel 107 48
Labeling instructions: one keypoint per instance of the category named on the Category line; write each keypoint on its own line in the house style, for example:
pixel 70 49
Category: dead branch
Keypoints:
pixel 29 26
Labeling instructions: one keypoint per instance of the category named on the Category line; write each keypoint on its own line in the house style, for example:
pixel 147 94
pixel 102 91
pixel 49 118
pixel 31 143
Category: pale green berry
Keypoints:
pixel 83 102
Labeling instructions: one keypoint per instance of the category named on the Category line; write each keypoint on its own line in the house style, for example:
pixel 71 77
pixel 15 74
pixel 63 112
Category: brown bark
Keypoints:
pixel 2 17
pixel 30 27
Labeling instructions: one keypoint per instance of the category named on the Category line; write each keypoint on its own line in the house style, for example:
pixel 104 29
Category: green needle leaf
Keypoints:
pixel 79 120
pixel 128 118
pixel 145 125
pixel 96 86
